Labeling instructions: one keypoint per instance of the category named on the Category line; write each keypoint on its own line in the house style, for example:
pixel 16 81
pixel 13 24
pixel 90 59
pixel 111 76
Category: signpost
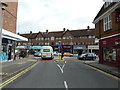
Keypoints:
pixel 59 45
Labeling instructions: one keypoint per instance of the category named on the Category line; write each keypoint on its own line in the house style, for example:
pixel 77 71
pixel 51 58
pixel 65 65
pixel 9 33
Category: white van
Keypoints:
pixel 47 52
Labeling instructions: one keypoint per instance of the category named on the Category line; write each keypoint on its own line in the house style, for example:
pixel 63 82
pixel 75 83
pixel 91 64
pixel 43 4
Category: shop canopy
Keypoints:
pixel 20 47
pixel 36 47
pixel 12 36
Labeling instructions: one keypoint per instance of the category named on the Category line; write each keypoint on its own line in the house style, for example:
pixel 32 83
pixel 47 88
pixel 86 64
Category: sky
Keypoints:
pixel 54 15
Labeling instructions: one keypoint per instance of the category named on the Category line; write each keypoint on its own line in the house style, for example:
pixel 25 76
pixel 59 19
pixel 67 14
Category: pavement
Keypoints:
pixel 109 69
pixel 12 67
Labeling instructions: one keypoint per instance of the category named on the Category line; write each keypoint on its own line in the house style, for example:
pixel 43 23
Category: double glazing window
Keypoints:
pixel 107 23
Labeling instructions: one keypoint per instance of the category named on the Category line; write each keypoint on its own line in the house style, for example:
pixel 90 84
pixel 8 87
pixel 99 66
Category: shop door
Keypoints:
pixel 9 52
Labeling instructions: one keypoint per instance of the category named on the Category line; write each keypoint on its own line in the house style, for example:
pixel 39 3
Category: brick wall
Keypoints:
pixel 99 27
pixel 10 17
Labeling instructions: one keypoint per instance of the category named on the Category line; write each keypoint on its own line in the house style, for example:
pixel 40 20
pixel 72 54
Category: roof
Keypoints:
pixel 12 36
pixel 75 33
pixel 103 10
pixel 53 34
pixel 82 32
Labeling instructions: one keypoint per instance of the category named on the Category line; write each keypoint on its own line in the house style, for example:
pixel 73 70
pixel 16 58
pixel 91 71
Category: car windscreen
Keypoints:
pixel 46 50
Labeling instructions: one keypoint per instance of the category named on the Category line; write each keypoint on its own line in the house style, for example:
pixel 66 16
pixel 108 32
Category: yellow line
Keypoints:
pixel 16 76
pixel 115 77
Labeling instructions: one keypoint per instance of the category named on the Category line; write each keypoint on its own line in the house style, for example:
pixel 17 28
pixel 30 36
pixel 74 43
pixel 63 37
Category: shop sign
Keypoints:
pixel 117 17
pixel 104 42
pixel 93 47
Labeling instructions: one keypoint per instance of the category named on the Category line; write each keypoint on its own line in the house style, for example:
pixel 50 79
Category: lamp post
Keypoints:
pixel 71 43
pixel 2 6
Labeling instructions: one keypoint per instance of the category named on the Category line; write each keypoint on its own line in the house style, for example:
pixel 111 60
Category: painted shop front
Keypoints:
pixel 109 50
pixel 8 45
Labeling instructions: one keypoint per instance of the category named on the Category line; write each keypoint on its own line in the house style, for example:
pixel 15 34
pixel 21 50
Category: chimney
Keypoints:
pixel 67 29
pixel 30 32
pixel 47 31
pixel 64 29
pixel 88 27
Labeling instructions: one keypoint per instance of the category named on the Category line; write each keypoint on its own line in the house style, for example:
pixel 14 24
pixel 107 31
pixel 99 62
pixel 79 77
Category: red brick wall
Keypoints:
pixel 99 27
pixel 10 17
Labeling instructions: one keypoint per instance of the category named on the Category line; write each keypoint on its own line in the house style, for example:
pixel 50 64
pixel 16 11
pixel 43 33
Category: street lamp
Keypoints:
pixel 2 6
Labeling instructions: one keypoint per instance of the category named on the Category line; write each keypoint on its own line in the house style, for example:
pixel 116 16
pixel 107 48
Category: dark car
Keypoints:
pixel 87 56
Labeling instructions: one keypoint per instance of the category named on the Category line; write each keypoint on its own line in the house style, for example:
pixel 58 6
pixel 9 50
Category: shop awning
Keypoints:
pixel 20 47
pixel 12 36
pixel 36 47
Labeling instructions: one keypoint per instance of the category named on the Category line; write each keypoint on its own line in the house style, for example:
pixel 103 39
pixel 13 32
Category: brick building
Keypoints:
pixel 8 19
pixel 107 30
pixel 71 40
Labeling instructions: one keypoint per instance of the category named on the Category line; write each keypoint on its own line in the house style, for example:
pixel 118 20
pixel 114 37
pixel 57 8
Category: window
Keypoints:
pixel 107 23
pixel 109 53
pixel 107 3
pixel 52 38
pixel 63 37
pixel 42 38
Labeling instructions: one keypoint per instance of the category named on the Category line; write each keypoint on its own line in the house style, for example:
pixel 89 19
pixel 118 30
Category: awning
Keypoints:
pixel 36 47
pixel 12 36
pixel 20 47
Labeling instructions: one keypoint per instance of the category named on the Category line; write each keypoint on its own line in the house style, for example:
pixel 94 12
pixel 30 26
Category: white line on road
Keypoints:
pixel 65 84
pixel 65 62
pixel 63 66
pixel 60 68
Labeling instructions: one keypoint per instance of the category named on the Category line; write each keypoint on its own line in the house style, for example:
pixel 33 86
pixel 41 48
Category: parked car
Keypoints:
pixel 55 53
pixel 37 54
pixel 68 54
pixel 87 56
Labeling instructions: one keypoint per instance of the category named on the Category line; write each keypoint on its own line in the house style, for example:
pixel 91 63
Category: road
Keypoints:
pixel 70 73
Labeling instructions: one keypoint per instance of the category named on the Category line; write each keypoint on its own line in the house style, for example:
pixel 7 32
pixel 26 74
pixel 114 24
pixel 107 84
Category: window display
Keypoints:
pixel 109 53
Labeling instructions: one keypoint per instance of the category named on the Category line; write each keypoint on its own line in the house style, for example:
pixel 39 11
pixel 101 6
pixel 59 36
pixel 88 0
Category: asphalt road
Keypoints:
pixel 69 74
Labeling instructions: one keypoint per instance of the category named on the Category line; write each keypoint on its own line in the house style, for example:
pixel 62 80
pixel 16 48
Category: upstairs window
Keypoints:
pixel 107 3
pixel 107 23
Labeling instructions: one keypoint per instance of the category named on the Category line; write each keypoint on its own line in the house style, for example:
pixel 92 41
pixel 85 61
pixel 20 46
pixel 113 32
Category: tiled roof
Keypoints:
pixel 25 35
pixel 82 32
pixel 103 10
pixel 54 34
pixel 75 33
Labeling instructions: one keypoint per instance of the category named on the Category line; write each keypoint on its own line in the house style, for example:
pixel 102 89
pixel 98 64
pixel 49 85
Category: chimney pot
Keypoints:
pixel 88 27
pixel 30 32
pixel 63 29
pixel 47 31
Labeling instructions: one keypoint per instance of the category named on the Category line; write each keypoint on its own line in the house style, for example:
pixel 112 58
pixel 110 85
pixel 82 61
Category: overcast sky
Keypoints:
pixel 54 15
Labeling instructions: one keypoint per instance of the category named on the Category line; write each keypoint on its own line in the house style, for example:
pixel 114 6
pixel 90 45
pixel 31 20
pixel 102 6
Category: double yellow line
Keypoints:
pixel 17 75
pixel 115 77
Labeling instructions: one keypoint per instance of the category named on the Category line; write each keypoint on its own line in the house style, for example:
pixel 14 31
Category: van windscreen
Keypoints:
pixel 46 50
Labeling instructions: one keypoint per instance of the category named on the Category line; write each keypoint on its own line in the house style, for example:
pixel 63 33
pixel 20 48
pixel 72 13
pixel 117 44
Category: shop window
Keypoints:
pixel 109 54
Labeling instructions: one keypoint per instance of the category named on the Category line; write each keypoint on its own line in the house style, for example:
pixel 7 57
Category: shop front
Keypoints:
pixel 67 48
pixel 79 49
pixel 109 50
pixel 8 45
pixel 7 49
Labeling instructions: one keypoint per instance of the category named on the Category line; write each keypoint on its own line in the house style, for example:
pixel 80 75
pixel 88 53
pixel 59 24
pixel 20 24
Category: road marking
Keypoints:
pixel 60 68
pixel 115 77
pixel 65 62
pixel 16 76
pixel 65 84
pixel 63 66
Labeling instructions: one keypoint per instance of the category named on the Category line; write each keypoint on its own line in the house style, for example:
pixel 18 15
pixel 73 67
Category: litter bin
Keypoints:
pixel 59 56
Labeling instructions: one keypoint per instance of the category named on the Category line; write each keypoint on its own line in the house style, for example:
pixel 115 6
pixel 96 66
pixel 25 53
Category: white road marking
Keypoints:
pixel 63 66
pixel 65 62
pixel 60 68
pixel 65 84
